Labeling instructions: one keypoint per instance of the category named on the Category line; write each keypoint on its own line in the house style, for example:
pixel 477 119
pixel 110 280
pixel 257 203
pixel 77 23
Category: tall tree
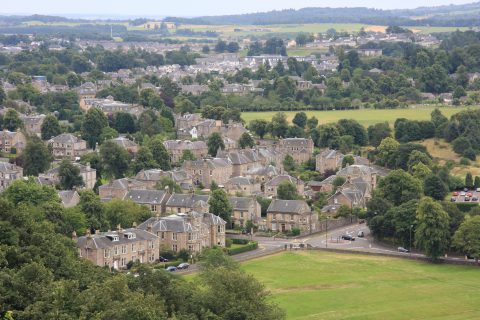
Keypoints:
pixel 378 132
pixel 289 163
pixel 246 141
pixel 467 237
pixel 12 121
pixel 279 125
pixel 160 154
pixel 93 208
pixel 94 123
pixel 220 205
pixel 214 143
pixel 36 157
pixel 69 176
pixel 287 191
pixel 432 231
pixel 435 187
pixel 300 119
pixel 115 159
pixel 259 126
pixel 399 187
pixel 50 127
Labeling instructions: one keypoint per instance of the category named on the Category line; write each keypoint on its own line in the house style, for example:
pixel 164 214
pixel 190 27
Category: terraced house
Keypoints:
pixel 115 249
pixel 176 149
pixel 204 171
pixel 67 146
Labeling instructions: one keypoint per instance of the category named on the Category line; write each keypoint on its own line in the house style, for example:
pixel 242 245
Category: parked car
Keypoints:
pixel 453 199
pixel 360 234
pixel 402 249
pixel 465 189
pixel 469 194
pixel 463 193
pixel 467 198
pixel 478 189
pixel 183 266
pixel 455 194
pixel 474 198
pixel 171 269
pixel 162 259
pixel 347 237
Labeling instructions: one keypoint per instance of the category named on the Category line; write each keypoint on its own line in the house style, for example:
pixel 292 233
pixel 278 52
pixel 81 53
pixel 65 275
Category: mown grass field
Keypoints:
pixel 365 117
pixel 319 285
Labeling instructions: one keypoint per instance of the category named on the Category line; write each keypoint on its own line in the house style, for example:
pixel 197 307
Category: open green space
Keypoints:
pixel 366 116
pixel 321 285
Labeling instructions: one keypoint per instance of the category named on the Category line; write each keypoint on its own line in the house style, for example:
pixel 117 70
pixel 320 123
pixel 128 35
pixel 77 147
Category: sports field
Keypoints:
pixel 365 117
pixel 319 285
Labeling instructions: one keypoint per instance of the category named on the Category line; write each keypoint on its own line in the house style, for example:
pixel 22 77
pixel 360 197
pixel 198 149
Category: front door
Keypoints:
pixel 283 227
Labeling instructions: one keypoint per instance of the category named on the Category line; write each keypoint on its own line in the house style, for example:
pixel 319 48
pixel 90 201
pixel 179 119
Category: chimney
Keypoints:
pixel 149 228
pixel 134 225
pixel 74 236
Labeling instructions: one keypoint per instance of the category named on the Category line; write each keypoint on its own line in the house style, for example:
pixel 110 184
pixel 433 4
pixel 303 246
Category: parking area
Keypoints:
pixel 466 196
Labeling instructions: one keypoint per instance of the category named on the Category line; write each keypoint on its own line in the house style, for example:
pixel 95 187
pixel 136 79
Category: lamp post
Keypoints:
pixel 326 232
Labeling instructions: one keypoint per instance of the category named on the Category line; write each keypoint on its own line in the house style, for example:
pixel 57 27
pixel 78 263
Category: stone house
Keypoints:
pixel 242 160
pixel 245 209
pixel 155 200
pixel 328 160
pixel 190 231
pixel 355 193
pixel 8 174
pixel 176 148
pixel 366 173
pixel 204 171
pixel 183 202
pixel 271 187
pixel 300 149
pixel 117 189
pixel 11 142
pixel 285 215
pixel 126 144
pixel 242 185
pixel 187 121
pixel 67 146
pixel 33 124
pixel 115 249
pixel 69 198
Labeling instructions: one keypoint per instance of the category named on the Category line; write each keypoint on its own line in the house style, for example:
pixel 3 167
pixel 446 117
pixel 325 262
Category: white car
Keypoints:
pixel 463 193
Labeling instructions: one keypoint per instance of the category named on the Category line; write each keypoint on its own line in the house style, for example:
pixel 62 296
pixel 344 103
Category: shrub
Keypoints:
pixel 240 241
pixel 465 162
pixel 248 247
pixel 470 154
pixel 183 255
pixel 294 232
pixel 228 242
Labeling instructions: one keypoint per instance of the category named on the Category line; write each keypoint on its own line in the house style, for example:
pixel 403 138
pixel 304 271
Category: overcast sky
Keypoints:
pixel 192 7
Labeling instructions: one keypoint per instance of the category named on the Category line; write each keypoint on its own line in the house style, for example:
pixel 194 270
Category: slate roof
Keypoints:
pixel 241 181
pixel 263 170
pixel 146 196
pixel 288 206
pixel 65 138
pixel 186 200
pixel 124 142
pixel 104 239
pixel 184 145
pixel 66 196
pixel 212 163
pixel 241 203
pixel 9 168
pixel 277 180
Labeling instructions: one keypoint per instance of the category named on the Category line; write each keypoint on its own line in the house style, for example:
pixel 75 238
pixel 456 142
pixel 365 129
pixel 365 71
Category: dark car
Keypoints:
pixel 474 198
pixel 171 269
pixel 183 266
pixel 467 198
pixel 453 199
pixel 347 237
pixel 402 249
pixel 162 259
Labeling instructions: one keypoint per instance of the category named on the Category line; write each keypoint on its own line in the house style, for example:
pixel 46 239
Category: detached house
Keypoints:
pixel 245 209
pixel 126 144
pixel 117 189
pixel 11 142
pixel 300 149
pixel 271 187
pixel 33 124
pixel 182 203
pixel 8 174
pixel 155 200
pixel 67 146
pixel 285 215
pixel 328 160
pixel 115 249
pixel 204 171
pixel 176 148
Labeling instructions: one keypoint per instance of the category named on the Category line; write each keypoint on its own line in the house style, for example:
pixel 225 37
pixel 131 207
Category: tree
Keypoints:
pixel 467 237
pixel 3 96
pixel 338 181
pixel 11 120
pixel 91 205
pixel 246 141
pixel 259 126
pixel 399 187
pixel 187 155
pixel 378 132
pixel 432 231
pixel 386 152
pixel 50 127
pixel 328 134
pixel 434 79
pixel 143 160
pixel 125 213
pixel 124 123
pixel 69 175
pixel 435 188
pixel 160 154
pixel 214 143
pixel 289 163
pixel 312 123
pixel 114 159
pixel 354 129
pixel 36 157
pixel 348 160
pixel 93 125
pixel 469 181
pixel 300 119
pixel 220 205
pixel 287 191
pixel 279 125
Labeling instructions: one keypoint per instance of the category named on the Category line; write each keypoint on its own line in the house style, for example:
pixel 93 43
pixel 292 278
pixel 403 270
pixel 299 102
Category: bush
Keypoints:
pixel 294 232
pixel 465 162
pixel 253 245
pixel 240 241
pixel 228 242
pixel 470 154
pixel 465 206
pixel 168 254
pixel 183 255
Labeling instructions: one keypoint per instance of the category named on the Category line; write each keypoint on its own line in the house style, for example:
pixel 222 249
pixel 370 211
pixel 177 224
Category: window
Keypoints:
pixel 106 253
pixel 134 249
pixel 106 264
pixel 151 258
pixel 115 250
pixel 174 247
pixel 190 247
pixel 174 236
pixel 190 237
pixel 123 262
pixel 219 229
pixel 292 217
pixel 151 244
pixel 124 249
pixel 134 258
pixel 241 214
pixel 153 208
pixel 163 235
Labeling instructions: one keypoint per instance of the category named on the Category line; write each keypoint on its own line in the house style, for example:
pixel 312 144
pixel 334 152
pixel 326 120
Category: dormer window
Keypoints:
pixel 130 235
pixel 113 237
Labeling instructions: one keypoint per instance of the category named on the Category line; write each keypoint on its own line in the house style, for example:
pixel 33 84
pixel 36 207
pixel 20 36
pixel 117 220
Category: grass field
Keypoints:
pixel 319 285
pixel 365 117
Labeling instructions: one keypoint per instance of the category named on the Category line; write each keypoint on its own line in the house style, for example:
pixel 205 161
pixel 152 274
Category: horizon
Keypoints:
pixel 187 9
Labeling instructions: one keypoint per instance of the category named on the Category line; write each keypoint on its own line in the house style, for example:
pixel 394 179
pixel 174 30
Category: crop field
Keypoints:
pixel 319 285
pixel 366 117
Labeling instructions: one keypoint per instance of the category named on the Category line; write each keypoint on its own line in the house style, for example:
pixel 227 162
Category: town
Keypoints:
pixel 247 166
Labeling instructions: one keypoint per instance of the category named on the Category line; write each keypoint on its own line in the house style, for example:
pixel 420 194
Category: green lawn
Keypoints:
pixel 320 285
pixel 365 117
